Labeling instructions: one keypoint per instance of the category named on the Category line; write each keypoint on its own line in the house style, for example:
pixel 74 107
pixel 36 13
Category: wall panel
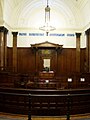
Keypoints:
pixel 66 60
pixel 26 60
pixel 9 58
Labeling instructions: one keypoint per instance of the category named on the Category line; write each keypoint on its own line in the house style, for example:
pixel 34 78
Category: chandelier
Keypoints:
pixel 47 26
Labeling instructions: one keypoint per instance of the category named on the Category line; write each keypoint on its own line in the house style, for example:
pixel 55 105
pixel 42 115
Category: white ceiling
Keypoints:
pixel 29 14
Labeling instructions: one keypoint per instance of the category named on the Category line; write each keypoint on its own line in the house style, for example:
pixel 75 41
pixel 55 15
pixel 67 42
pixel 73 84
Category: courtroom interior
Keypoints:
pixel 45 57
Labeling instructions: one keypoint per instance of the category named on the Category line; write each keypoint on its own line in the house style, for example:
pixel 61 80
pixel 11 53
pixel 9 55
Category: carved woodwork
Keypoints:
pixel 45 102
pixel 46 50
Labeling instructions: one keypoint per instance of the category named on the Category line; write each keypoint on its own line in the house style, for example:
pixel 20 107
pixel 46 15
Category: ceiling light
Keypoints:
pixel 47 27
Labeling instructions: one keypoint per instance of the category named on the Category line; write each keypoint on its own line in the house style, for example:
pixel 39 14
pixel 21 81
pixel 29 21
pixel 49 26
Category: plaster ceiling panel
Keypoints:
pixel 30 13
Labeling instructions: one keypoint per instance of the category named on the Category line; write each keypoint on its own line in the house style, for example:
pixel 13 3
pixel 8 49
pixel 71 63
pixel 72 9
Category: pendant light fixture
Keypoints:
pixel 47 26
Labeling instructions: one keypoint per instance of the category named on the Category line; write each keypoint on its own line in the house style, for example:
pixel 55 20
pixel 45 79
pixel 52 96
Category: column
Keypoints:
pixel 36 61
pixel 14 51
pixel 56 61
pixel 78 52
pixel 3 46
pixel 87 50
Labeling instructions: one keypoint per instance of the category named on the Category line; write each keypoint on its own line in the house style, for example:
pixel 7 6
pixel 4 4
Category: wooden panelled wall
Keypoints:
pixel 66 62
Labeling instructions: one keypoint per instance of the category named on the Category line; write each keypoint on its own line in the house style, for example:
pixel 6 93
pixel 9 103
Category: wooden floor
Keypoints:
pixel 25 117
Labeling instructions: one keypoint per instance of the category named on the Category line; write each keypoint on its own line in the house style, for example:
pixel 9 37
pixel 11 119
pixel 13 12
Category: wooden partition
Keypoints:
pixel 29 81
pixel 45 102
pixel 66 61
pixel 27 64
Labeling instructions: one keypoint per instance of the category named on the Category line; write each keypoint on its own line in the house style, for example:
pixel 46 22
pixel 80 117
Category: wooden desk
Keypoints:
pixel 47 84
pixel 47 80
pixel 46 75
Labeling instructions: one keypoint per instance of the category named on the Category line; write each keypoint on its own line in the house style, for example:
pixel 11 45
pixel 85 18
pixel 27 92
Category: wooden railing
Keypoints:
pixel 45 104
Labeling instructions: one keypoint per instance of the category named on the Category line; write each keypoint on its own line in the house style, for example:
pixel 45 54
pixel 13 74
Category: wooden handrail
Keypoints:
pixel 30 96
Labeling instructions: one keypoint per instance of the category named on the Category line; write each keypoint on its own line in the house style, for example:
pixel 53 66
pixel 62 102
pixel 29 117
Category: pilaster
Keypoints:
pixel 87 50
pixel 78 52
pixel 14 51
pixel 3 47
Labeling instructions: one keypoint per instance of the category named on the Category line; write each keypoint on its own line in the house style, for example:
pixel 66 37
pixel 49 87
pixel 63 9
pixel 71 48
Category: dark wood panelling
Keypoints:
pixel 26 60
pixel 19 80
pixel 66 61
pixel 45 102
pixel 83 65
pixel 9 57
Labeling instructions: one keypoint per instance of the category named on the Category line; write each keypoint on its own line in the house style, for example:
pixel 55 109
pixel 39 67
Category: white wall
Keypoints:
pixel 1 12
pixel 65 38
